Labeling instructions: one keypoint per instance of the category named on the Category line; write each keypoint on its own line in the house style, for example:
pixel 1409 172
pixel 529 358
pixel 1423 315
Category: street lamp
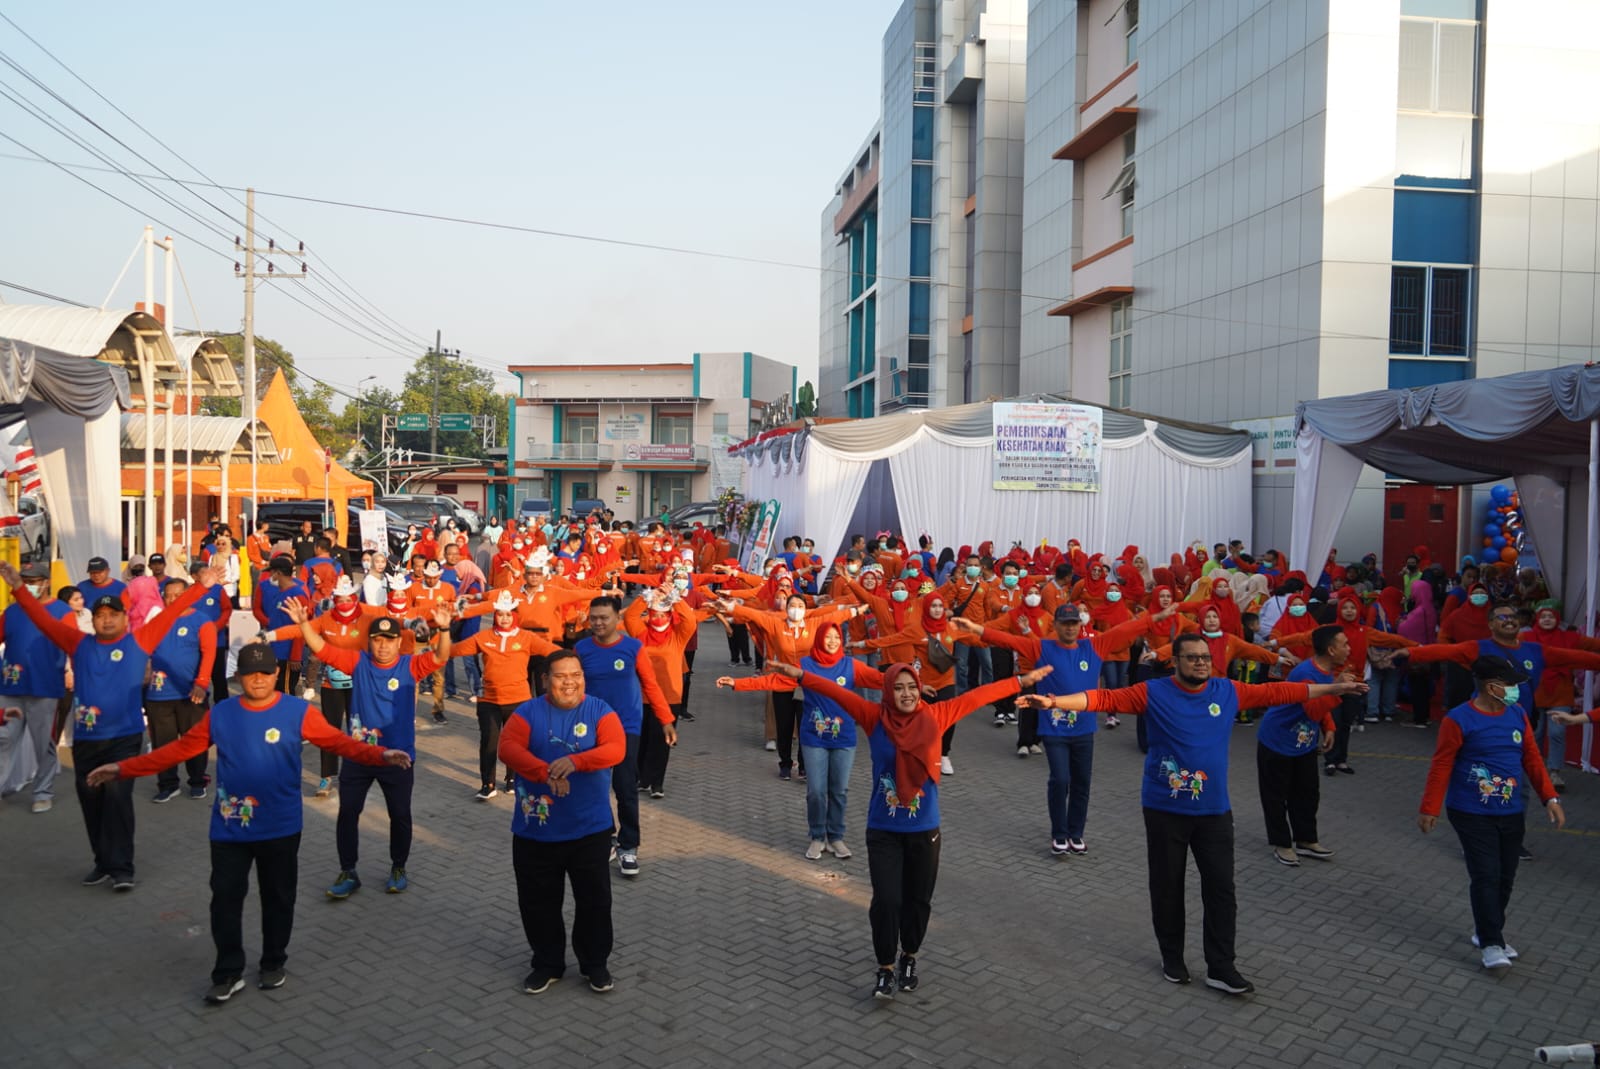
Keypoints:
pixel 363 382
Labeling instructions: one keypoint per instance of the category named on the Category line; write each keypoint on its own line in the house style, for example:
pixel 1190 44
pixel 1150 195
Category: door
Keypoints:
pixel 1416 514
pixel 581 491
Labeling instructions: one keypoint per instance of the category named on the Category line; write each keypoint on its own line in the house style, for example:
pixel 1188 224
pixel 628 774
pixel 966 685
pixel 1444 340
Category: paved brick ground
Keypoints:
pixel 732 949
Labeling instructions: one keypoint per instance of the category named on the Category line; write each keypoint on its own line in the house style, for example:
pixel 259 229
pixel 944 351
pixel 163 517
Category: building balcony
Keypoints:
pixel 655 456
pixel 576 456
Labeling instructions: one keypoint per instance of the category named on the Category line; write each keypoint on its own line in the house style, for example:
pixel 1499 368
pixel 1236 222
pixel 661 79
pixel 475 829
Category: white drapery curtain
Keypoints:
pixel 1325 477
pixel 833 482
pixel 1150 496
pixel 80 463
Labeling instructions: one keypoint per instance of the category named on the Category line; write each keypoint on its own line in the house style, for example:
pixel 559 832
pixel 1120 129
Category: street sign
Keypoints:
pixel 455 421
pixel 412 421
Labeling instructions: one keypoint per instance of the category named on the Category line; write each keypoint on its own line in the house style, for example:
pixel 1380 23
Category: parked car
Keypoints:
pixel 35 527
pixel 585 505
pixel 703 512
pixel 533 506
pixel 284 519
pixel 446 506
pixel 420 512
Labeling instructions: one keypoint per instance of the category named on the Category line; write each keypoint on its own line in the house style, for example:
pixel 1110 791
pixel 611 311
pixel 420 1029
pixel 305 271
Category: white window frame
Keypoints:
pixel 1433 101
pixel 1121 374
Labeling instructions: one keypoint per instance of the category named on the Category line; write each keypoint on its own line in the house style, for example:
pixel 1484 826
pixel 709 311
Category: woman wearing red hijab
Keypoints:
pixel 903 837
pixel 1221 599
pixel 1093 587
pixel 931 623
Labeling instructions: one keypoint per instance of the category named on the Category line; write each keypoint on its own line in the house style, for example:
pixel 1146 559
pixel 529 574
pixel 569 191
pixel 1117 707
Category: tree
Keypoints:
pixel 315 403
pixel 805 402
pixel 463 387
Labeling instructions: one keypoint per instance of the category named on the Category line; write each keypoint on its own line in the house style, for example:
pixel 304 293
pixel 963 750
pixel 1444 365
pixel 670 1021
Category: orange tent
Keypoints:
pixel 299 475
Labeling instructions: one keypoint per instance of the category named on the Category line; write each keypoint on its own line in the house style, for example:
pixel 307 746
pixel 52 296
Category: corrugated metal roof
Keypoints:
pixel 212 434
pixel 213 368
pixel 78 331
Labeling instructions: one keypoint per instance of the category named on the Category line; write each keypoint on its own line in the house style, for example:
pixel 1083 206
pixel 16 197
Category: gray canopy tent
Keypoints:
pixel 1541 428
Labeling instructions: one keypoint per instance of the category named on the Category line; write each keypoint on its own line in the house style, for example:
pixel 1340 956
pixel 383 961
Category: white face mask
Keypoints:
pixel 1031 600
pixel 796 614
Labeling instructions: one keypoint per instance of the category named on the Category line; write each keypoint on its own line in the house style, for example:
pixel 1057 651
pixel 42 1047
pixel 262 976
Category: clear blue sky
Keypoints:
pixel 718 125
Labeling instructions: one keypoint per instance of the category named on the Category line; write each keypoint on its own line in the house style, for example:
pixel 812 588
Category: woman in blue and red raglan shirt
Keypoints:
pixel 1485 745
pixel 1185 791
pixel 561 748
pixel 257 817
pixel 110 673
pixel 903 733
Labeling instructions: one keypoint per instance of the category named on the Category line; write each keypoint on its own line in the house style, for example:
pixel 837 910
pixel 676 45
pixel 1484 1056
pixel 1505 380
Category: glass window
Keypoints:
pixel 674 428
pixel 919 308
pixel 1121 362
pixel 1429 309
pixel 1433 146
pixel 921 250
pixel 1407 297
pixel 1438 66
pixel 917 352
pixel 580 427
pixel 1447 312
pixel 1131 49
pixel 719 423
pixel 922 191
pixel 922 133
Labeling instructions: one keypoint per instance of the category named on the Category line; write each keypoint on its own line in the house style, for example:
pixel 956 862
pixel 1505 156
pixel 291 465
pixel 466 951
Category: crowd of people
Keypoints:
pixel 576 639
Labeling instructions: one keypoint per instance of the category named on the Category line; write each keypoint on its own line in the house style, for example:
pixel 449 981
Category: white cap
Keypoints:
pixel 399 583
pixel 687 554
pixel 540 558
pixel 432 568
pixel 505 602
pixel 344 588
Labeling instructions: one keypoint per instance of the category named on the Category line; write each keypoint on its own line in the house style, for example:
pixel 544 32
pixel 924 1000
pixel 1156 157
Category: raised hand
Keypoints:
pixel 725 682
pixel 9 573
pixel 1037 674
pixel 965 626
pixel 296 610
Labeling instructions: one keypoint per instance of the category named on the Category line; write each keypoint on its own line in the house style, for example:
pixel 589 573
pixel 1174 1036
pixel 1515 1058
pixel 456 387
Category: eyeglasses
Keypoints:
pixel 1195 658
pixel 1503 618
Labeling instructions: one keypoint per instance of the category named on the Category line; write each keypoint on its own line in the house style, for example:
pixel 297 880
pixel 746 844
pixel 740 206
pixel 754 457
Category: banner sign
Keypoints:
pixel 1047 447
pixel 374 530
pixel 764 532
pixel 1272 449
pixel 645 451
pixel 628 428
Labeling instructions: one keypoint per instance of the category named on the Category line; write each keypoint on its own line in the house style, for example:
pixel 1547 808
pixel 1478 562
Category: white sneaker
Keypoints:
pixel 307 694
pixel 1036 748
pixel 772 746
pixel 1496 958
pixel 43 805
pixel 840 850
pixel 1022 751
pixel 946 767
pixel 814 851
pixel 1511 951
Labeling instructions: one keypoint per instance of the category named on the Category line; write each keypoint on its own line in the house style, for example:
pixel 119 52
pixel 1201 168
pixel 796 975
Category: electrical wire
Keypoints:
pixel 20 288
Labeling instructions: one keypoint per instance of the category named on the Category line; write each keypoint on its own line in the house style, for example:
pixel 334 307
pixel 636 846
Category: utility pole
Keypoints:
pixel 433 423
pixel 248 272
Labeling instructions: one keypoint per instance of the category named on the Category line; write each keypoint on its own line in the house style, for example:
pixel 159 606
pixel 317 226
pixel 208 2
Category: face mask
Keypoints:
pixel 1297 610
pixel 681 584
pixel 37 589
pixel 796 614
pixel 972 572
pixel 809 550
pixel 852 568
pixel 1212 634
pixel 1031 600
pixel 1010 580
pixel 1513 692
pixel 1479 599
pixel 1113 595
pixel 900 595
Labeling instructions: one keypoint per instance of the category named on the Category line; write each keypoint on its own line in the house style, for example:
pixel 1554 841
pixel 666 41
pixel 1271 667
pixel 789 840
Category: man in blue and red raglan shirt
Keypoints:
pixel 175 694
pixel 110 672
pixel 256 818
pixel 269 604
pixel 32 681
pixel 614 672
pixel 1185 792
pixel 383 709
pixel 561 749
pixel 99 582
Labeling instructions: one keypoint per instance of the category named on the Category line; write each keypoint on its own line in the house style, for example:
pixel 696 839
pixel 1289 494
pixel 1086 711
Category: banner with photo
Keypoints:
pixel 374 530
pixel 763 534
pixel 1047 447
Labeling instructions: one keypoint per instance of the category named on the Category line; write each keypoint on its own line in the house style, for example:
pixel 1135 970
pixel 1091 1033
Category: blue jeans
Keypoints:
pixel 1384 690
pixel 827 787
pixel 1067 792
pixel 977 663
pixel 474 675
pixel 1113 674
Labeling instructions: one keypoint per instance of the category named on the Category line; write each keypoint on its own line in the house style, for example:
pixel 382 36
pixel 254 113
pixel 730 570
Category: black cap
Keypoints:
pixel 384 625
pixel 257 658
pixel 107 601
pixel 1498 670
pixel 36 570
pixel 156 558
pixel 1068 614
pixel 99 564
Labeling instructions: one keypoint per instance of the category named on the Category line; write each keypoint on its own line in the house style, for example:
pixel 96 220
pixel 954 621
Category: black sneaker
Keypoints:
pixel 1524 854
pixel 220 993
pixel 485 792
pixel 165 795
pixel 511 785
pixel 96 877
pixel 438 716
pixel 1175 971
pixel 271 979
pixel 537 983
pixel 906 974
pixel 600 981
pixel 1229 981
pixel 884 988
pixel 122 883
pixel 686 716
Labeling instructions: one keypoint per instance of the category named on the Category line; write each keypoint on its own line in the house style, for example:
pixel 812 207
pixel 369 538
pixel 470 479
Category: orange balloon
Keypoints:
pixel 1508 555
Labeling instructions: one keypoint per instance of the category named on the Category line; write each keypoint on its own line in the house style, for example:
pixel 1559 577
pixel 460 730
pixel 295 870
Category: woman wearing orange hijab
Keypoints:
pixel 903 838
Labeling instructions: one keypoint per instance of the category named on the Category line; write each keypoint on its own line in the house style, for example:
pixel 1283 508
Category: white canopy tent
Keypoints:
pixel 1163 484
pixel 1541 428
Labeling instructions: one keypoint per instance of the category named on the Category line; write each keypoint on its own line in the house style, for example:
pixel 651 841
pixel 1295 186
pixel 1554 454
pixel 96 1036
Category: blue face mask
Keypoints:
pixel 1297 610
pixel 972 572
pixel 1479 599
pixel 1113 595
pixel 1009 580
pixel 900 595
pixel 1513 692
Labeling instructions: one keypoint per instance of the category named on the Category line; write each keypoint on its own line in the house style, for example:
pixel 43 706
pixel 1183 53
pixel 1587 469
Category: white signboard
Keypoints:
pixel 374 530
pixel 727 471
pixel 1271 445
pixel 625 428
pixel 1047 447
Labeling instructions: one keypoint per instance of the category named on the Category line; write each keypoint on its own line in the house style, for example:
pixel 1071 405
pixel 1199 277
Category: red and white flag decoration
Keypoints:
pixel 27 470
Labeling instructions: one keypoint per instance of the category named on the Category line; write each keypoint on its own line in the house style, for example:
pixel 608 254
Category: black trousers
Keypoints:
pixel 288 677
pixel 108 810
pixel 1351 707
pixel 785 708
pixel 625 786
pixel 169 720
pixel 1005 664
pixel 335 710
pixel 277 863
pixel 491 718
pixel 219 670
pixel 1290 792
pixel 354 781
pixel 688 674
pixel 1491 844
pixel 1419 681
pixel 1169 839
pixel 543 870
pixel 904 866
pixel 654 751
pixel 1027 723
pixel 949 736
pixel 739 644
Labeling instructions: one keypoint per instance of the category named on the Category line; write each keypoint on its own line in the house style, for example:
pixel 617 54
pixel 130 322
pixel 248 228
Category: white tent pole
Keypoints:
pixel 166 467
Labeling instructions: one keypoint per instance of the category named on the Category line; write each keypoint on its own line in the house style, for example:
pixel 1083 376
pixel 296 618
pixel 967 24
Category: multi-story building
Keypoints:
pixel 640 437
pixel 1287 199
pixel 921 239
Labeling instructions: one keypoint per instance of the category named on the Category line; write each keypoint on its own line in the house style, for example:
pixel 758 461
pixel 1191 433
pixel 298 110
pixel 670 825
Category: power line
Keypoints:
pixel 20 288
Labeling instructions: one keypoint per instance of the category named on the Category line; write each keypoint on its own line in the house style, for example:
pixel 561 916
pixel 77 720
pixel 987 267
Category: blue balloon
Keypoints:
pixel 1491 530
pixel 1500 494
pixel 1498 543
